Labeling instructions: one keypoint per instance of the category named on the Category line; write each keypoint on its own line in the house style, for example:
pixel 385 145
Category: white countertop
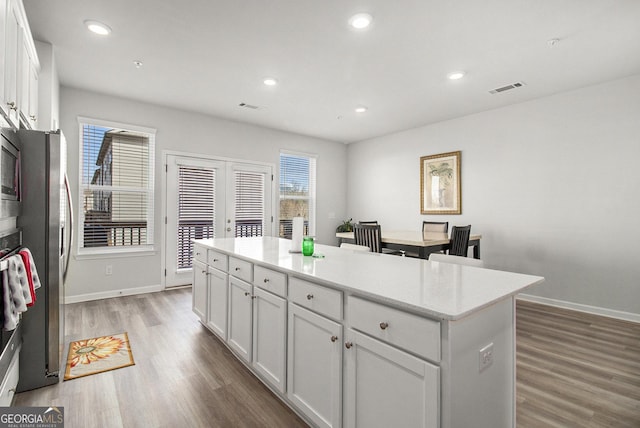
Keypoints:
pixel 440 290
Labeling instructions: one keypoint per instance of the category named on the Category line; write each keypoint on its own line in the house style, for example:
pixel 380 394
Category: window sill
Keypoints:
pixel 101 253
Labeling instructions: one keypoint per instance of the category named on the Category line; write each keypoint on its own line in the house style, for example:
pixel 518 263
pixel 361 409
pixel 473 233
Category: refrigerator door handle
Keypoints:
pixel 70 203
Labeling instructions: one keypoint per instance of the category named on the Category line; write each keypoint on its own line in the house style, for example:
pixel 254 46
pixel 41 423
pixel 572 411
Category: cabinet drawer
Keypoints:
pixel 323 300
pixel 410 332
pixel 200 253
pixel 10 381
pixel 241 269
pixel 275 282
pixel 217 260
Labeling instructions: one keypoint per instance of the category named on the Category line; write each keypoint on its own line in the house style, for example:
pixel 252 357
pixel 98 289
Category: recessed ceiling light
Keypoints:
pixel 361 109
pixel 137 63
pixel 456 75
pixel 360 21
pixel 97 27
pixel 270 81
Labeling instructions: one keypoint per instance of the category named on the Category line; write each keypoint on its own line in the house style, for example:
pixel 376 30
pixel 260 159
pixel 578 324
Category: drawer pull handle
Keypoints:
pixel 266 280
pixel 384 325
pixel 348 345
pixel 334 338
pixel 309 296
pixel 246 293
pixel 253 297
pixel 204 271
pixel 237 269
pixel 197 254
pixel 215 260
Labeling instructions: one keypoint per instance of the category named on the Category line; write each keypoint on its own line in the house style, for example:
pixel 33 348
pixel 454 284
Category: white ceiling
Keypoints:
pixel 210 55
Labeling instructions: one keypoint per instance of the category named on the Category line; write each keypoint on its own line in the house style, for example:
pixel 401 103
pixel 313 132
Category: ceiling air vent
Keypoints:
pixel 245 105
pixel 506 88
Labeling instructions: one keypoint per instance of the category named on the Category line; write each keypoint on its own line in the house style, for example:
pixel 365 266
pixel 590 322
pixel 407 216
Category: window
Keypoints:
pixel 297 192
pixel 116 187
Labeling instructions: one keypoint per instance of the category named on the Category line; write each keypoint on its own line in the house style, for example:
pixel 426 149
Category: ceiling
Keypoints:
pixel 214 55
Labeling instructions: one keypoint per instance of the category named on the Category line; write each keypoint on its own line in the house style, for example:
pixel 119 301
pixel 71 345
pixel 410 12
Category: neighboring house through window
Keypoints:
pixel 116 189
pixel 297 192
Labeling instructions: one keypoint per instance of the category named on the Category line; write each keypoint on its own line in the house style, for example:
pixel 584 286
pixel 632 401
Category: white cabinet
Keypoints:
pixel 199 289
pixel 269 333
pixel 314 367
pixel 28 82
pixel 218 296
pixel 9 103
pixel 240 312
pixel 387 387
pixel 19 67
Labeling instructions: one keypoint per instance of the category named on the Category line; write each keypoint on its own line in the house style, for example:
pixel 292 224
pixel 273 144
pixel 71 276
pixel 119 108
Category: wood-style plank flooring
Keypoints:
pixel 573 370
pixel 576 369
pixel 183 376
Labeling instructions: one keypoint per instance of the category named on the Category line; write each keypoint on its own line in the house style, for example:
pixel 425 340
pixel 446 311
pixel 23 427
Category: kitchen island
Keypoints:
pixel 361 339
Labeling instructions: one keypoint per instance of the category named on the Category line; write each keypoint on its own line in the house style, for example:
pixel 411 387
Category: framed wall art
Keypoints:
pixel 440 184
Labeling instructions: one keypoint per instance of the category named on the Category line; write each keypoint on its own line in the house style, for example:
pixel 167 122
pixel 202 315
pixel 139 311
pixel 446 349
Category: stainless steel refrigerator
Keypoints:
pixel 45 220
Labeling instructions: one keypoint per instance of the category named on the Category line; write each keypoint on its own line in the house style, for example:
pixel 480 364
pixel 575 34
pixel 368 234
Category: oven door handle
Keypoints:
pixel 70 204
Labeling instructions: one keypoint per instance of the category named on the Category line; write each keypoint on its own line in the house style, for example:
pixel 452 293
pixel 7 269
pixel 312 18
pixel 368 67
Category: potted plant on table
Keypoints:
pixel 346 226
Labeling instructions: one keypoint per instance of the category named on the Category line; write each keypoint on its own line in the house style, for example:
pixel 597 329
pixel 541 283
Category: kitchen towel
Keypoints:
pixel 15 291
pixel 32 273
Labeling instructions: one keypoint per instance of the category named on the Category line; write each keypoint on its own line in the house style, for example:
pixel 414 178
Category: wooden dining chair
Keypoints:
pixel 435 226
pixel 371 223
pixel 459 245
pixel 368 235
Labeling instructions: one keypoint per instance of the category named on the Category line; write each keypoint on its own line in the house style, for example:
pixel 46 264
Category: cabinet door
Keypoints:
pixel 240 302
pixel 10 93
pixel 218 301
pixel 314 366
pixel 387 387
pixel 33 95
pixel 269 333
pixel 3 54
pixel 199 290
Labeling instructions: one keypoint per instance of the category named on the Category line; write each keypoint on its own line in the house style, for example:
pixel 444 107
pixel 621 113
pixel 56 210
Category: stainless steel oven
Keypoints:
pixel 10 178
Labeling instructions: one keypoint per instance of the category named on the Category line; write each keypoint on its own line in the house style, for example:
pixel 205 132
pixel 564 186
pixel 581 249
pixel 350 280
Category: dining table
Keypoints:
pixel 416 242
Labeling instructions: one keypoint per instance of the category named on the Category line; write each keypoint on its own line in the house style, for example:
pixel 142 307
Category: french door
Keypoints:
pixel 208 198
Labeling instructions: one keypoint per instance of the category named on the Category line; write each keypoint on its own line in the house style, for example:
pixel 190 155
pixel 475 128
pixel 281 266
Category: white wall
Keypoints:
pixel 193 133
pixel 48 88
pixel 553 185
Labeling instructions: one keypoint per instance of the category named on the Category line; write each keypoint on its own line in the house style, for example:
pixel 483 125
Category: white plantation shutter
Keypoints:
pixel 249 203
pixel 116 188
pixel 297 192
pixel 196 209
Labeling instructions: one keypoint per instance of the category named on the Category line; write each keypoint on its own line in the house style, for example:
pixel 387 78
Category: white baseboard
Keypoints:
pixel 611 313
pixel 112 293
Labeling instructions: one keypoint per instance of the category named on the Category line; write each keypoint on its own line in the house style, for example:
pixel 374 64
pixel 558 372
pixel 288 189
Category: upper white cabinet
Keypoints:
pixel 19 67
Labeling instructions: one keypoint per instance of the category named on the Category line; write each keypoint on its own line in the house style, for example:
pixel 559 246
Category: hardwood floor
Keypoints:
pixel 576 369
pixel 183 376
pixel 573 370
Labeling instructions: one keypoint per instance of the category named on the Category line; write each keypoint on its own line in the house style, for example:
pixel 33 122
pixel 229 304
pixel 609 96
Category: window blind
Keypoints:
pixel 117 188
pixel 297 192
pixel 196 209
pixel 249 203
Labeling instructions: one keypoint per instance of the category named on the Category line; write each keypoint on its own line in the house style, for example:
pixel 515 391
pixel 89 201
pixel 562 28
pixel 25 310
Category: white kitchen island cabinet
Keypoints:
pixel 375 340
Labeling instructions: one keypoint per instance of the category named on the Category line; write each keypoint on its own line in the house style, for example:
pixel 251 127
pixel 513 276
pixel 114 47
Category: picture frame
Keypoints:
pixel 440 185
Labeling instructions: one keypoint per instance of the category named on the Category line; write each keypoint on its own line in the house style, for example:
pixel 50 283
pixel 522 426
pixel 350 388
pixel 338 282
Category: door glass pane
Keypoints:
pixel 196 209
pixel 249 203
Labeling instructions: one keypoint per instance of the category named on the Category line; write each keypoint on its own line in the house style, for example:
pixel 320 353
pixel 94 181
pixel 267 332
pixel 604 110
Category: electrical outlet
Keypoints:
pixel 485 356
pixel 108 270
